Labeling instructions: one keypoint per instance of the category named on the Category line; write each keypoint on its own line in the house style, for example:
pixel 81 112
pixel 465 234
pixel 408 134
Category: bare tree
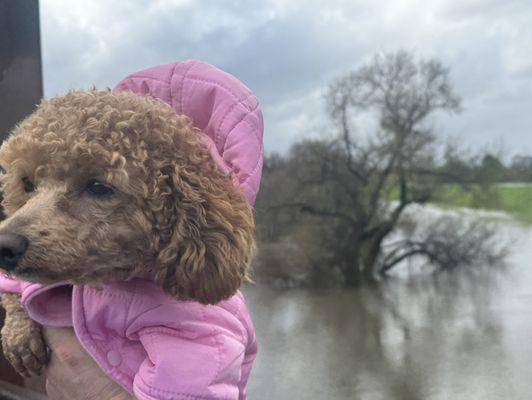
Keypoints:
pixel 345 185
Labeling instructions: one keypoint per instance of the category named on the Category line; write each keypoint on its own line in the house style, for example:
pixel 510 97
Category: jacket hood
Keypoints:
pixel 224 110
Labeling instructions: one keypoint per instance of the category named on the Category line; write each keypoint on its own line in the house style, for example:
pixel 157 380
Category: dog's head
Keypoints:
pixel 102 186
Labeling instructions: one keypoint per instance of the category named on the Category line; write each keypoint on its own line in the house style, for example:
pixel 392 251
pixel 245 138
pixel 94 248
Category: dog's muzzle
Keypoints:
pixel 12 248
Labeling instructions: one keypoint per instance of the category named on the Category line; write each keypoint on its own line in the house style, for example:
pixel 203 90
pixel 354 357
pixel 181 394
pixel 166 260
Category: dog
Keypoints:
pixel 103 186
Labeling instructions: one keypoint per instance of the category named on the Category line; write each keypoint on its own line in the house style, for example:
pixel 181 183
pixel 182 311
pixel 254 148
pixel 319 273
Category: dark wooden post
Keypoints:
pixel 20 83
pixel 20 61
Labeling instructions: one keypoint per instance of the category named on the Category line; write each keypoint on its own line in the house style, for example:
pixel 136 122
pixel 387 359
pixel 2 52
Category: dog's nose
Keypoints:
pixel 12 247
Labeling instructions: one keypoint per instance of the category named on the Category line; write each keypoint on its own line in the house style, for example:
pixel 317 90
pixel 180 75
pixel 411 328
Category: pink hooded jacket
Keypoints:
pixel 155 346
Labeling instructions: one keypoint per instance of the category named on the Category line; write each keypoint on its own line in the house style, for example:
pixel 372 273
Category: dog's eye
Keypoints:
pixel 28 185
pixel 98 189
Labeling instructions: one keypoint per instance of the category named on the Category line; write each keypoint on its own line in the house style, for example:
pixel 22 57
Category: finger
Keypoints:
pixel 64 346
pixel 67 356
pixel 39 350
pixel 58 336
pixel 54 391
pixel 65 349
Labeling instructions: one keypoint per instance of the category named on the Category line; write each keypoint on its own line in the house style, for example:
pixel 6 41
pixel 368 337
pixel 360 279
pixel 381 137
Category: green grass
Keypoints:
pixel 516 200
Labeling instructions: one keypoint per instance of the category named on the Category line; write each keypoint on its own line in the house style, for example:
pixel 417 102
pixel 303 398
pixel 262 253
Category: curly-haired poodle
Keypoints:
pixel 116 207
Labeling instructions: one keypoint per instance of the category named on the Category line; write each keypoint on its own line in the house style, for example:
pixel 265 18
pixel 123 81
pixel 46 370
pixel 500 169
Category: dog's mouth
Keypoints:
pixel 36 275
pixel 37 265
pixel 46 276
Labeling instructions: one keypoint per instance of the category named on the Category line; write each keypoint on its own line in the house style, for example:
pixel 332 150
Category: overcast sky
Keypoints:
pixel 287 51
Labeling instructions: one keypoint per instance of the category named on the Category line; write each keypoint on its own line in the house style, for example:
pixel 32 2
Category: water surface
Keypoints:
pixel 455 337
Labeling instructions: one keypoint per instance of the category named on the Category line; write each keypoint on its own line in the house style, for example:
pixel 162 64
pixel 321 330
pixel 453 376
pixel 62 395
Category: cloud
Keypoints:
pixel 288 50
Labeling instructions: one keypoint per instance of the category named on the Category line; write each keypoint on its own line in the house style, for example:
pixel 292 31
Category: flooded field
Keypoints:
pixel 465 336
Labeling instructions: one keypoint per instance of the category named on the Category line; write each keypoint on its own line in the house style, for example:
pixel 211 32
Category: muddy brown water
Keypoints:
pixel 465 336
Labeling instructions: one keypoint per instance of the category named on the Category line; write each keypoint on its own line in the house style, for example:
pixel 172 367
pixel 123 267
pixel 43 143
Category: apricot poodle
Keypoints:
pixel 103 186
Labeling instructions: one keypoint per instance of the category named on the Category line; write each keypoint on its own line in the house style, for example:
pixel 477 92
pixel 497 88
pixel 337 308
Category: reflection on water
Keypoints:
pixel 459 337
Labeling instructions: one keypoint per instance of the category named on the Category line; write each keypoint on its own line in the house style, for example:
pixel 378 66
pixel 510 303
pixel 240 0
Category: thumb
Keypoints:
pixel 56 337
pixel 65 347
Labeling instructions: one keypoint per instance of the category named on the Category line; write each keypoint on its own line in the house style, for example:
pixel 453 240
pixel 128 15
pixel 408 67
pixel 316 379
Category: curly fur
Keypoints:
pixel 22 342
pixel 174 214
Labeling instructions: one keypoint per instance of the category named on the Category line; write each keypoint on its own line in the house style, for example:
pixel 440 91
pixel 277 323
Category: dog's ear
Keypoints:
pixel 209 235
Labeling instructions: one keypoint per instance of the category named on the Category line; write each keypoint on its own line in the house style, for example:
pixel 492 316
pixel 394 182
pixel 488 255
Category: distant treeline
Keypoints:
pixel 485 168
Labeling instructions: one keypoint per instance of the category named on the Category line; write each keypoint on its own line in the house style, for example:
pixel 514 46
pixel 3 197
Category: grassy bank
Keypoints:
pixel 514 199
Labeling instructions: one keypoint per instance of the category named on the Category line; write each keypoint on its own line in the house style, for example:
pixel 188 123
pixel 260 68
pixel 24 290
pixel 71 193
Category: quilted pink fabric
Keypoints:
pixel 154 346
pixel 226 112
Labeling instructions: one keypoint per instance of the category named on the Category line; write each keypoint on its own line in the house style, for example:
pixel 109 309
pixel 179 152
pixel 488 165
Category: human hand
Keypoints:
pixel 72 374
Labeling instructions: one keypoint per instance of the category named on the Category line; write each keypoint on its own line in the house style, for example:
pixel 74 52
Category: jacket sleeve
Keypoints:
pixel 8 284
pixel 196 363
